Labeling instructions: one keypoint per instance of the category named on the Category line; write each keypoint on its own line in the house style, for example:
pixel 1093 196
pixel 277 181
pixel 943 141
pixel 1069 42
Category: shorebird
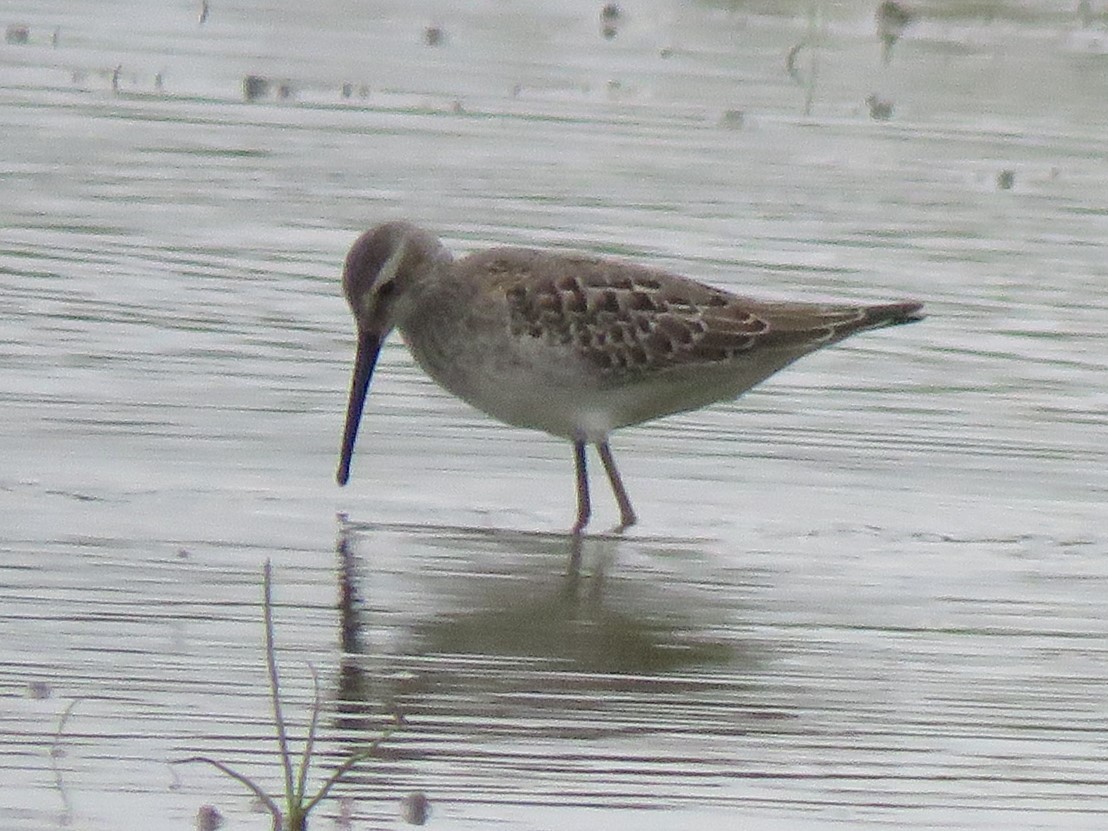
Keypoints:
pixel 575 345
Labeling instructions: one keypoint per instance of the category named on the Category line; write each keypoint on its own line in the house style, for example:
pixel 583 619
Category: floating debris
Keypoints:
pixel 415 808
pixel 892 19
pixel 733 119
pixel 208 818
pixel 254 87
pixel 38 690
pixel 434 36
pixel 17 33
pixel 880 109
pixel 1005 179
pixel 350 89
pixel 610 17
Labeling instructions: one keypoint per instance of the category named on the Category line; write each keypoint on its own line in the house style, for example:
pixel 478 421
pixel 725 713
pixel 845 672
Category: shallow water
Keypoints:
pixel 873 593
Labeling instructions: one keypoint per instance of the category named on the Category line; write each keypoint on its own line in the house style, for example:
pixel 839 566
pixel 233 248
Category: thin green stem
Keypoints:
pixel 296 812
pixel 266 799
pixel 274 681
pixel 55 749
pixel 346 766
pixel 309 742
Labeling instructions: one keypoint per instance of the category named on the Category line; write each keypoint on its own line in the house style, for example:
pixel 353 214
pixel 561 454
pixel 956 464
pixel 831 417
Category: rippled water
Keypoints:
pixel 873 593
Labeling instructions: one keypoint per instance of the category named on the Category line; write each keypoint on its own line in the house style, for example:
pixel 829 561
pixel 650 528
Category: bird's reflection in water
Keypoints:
pixel 498 657
pixel 506 601
pixel 350 604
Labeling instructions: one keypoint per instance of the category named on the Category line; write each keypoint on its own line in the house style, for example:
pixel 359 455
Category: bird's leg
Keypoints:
pixel 584 509
pixel 627 516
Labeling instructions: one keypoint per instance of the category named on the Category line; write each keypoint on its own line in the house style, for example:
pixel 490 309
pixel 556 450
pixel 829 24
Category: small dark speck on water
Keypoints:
pixel 434 36
pixel 38 690
pixel 208 818
pixel 610 17
pixel 880 109
pixel 254 87
pixel 17 34
pixel 415 808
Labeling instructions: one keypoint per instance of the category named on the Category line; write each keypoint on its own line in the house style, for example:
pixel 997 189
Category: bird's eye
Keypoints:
pixel 386 290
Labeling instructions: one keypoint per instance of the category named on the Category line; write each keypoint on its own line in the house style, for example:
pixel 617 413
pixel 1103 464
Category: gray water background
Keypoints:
pixel 873 593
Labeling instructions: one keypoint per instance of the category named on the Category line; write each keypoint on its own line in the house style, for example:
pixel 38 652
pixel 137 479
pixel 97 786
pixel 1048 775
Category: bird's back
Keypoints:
pixel 625 319
pixel 576 344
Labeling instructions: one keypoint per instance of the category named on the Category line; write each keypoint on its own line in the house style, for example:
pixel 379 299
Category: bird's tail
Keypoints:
pixel 892 314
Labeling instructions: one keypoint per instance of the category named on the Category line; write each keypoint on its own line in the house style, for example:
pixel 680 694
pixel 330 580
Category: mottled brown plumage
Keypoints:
pixel 571 344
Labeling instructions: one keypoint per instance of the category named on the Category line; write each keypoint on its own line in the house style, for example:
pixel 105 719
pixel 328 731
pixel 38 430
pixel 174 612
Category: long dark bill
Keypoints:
pixel 369 345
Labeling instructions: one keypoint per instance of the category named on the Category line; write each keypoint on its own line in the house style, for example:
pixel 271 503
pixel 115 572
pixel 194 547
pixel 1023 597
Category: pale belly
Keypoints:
pixel 542 388
pixel 532 383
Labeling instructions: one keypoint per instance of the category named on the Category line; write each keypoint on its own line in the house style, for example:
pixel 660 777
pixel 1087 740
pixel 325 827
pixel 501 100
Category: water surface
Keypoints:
pixel 873 593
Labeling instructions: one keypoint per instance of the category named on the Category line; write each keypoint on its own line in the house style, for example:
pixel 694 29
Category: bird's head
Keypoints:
pixel 381 278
